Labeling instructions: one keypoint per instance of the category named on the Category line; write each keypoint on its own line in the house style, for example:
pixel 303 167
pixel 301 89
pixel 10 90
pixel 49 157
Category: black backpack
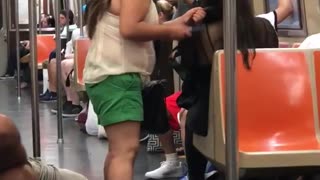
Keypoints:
pixel 185 55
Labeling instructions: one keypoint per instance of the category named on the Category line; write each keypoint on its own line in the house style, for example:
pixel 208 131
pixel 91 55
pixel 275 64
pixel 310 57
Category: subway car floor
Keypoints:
pixel 80 152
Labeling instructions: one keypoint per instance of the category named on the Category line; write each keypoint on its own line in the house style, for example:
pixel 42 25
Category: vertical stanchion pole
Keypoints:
pixel 81 17
pixel 40 6
pixel 230 48
pixel 68 17
pixel 58 62
pixel 17 49
pixel 34 78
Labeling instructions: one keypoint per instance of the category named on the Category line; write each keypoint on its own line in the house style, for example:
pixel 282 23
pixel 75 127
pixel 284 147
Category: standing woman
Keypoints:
pixel 121 53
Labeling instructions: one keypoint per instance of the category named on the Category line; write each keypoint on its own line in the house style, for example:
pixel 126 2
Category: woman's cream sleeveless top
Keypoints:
pixel 111 54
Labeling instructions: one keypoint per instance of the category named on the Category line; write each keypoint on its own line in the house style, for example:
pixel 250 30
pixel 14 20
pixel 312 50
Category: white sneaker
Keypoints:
pixel 209 174
pixel 168 169
pixel 102 133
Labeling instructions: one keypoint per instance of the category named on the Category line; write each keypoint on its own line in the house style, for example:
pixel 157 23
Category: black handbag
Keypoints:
pixel 156 120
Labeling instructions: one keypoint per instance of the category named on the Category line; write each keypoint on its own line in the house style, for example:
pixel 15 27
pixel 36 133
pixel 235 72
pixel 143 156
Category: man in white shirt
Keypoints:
pixel 312 41
pixel 285 8
pixel 71 107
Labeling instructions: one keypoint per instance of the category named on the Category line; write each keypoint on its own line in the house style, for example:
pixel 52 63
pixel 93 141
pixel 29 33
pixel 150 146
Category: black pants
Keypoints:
pixel 12 60
pixel 196 161
pixel 52 55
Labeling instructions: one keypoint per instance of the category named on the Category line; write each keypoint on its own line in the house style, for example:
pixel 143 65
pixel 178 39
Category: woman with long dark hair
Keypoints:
pixel 252 32
pixel 121 56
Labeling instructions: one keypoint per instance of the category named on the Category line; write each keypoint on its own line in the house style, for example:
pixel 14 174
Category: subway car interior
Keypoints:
pixel 251 112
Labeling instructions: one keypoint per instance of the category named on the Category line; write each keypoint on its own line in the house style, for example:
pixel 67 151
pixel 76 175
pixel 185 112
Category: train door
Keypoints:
pixel 3 38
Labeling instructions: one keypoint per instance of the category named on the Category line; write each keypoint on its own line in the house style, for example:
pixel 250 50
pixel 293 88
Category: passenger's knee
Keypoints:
pixel 128 151
pixel 67 64
pixel 182 118
pixel 53 61
pixel 64 65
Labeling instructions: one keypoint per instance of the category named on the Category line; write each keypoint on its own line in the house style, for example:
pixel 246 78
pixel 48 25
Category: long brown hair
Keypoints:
pixel 95 11
pixel 246 27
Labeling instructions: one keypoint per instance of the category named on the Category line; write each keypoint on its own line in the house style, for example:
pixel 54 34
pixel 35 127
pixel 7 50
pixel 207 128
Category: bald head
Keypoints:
pixel 12 152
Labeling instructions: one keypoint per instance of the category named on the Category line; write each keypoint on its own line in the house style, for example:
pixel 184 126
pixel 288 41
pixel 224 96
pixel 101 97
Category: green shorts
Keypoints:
pixel 117 99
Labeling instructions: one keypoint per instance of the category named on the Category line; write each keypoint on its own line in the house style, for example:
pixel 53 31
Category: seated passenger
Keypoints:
pixel 14 164
pixel 171 167
pixel 47 21
pixel 253 32
pixel 71 107
pixel 283 11
pixel 312 41
pixel 24 49
pixel 51 93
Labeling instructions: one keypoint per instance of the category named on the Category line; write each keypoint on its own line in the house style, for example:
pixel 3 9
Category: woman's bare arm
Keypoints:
pixel 285 8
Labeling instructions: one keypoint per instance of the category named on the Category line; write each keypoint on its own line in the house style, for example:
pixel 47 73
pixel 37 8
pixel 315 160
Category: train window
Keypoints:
pixel 295 25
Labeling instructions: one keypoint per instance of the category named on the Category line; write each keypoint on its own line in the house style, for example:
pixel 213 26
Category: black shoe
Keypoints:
pixel 49 97
pixel 65 105
pixel 45 93
pixel 72 111
pixel 6 76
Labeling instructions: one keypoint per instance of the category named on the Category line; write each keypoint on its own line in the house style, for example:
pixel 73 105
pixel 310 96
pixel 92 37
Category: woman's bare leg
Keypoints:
pixel 67 66
pixel 52 72
pixel 123 147
pixel 167 143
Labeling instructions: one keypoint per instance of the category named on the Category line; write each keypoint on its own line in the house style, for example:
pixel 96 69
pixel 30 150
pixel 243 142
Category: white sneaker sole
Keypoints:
pixel 178 174
pixel 209 174
pixel 164 177
pixel 69 115
pixel 54 111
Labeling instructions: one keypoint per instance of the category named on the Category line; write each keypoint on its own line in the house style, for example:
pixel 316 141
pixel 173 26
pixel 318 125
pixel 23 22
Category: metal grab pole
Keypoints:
pixel 68 17
pixel 81 18
pixel 40 27
pixel 34 78
pixel 17 49
pixel 58 63
pixel 230 48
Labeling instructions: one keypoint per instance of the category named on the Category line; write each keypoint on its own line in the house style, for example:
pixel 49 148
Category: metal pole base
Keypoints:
pixel 37 158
